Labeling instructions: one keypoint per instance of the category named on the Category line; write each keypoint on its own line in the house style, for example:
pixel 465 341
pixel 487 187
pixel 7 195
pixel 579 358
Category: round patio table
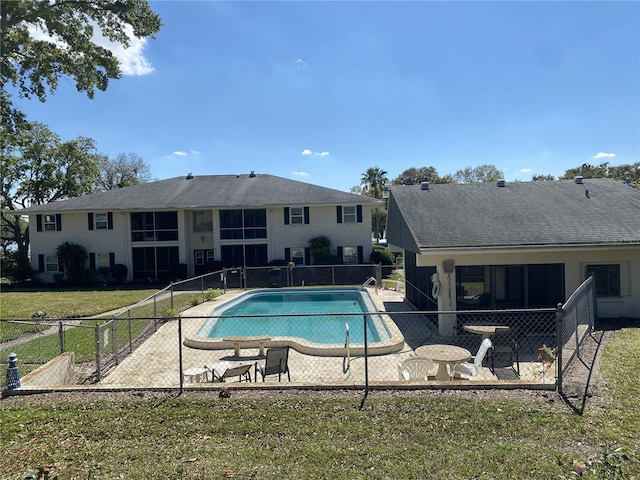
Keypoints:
pixel 486 330
pixel 443 356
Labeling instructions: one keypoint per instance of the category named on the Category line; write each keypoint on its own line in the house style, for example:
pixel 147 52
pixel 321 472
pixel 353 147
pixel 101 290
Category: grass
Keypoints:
pixel 399 437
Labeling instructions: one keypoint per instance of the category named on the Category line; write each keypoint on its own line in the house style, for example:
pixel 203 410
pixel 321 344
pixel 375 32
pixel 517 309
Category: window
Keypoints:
pixel 101 221
pixel 102 260
pixel 607 278
pixel 350 254
pixel 51 263
pixel 297 216
pixel 297 256
pixel 349 214
pixel 50 224
pixel 199 254
pixel 243 224
pixel 202 221
pixel 154 226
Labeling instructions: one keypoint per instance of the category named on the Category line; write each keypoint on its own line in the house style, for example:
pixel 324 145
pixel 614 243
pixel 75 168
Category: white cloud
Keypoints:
pixel 604 155
pixel 301 63
pixel 179 154
pixel 195 152
pixel 300 174
pixel 323 154
pixel 132 60
pixel 525 170
pixel 306 151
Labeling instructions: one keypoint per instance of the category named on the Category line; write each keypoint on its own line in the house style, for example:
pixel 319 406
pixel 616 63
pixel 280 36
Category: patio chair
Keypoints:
pixel 241 371
pixel 416 368
pixel 277 362
pixel 472 367
pixel 505 344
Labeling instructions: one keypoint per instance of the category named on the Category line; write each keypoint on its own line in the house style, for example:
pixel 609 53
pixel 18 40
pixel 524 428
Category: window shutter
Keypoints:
pixel 307 255
pixel 339 254
pixel 359 213
pixel 58 222
pixel 92 261
pixel 287 254
pixel 39 223
pixel 339 213
pixel 360 254
pixel 90 220
pixel 110 220
pixel 112 259
pixel 306 215
pixel 286 215
pixel 40 262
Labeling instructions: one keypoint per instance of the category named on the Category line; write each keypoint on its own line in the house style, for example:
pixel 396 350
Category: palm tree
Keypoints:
pixel 374 181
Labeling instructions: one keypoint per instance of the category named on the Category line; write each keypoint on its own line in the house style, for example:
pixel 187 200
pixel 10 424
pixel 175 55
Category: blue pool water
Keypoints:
pixel 316 315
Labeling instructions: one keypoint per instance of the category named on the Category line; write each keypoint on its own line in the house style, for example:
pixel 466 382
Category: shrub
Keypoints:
pixel 119 272
pixel 15 266
pixel 71 259
pixel 212 293
pixel 382 257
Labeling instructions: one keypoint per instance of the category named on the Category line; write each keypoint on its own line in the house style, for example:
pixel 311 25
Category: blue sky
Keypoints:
pixel 321 91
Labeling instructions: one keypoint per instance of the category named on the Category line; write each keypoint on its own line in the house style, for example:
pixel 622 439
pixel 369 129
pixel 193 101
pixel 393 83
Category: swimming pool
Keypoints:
pixel 310 320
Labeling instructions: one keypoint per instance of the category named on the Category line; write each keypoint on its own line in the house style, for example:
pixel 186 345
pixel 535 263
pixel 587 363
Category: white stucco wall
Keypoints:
pixel 574 260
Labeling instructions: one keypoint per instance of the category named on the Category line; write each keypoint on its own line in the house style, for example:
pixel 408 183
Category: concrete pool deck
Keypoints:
pixel 156 363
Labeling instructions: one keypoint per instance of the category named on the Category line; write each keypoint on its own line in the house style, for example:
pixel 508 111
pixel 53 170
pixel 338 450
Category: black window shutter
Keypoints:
pixel 286 215
pixel 287 254
pixel 339 254
pixel 112 259
pixel 359 213
pixel 92 261
pixel 40 262
pixel 58 222
pixel 339 213
pixel 307 255
pixel 110 220
pixel 360 254
pixel 90 220
pixel 306 215
pixel 39 223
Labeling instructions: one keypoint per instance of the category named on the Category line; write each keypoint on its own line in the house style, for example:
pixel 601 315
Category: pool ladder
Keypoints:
pixel 369 281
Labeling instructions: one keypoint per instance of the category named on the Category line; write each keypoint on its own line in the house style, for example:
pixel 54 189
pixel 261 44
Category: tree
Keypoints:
pixel 71 260
pixel 540 178
pixel 415 176
pixel 320 249
pixel 123 171
pixel 626 173
pixel 43 40
pixel 37 167
pixel 373 182
pixel 483 173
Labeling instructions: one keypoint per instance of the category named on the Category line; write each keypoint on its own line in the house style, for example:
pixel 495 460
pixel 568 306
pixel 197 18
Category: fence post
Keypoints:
pixel 180 354
pixel 559 320
pixel 98 365
pixel 366 363
pixel 114 339
pixel 171 293
pixel 130 336
pixel 61 334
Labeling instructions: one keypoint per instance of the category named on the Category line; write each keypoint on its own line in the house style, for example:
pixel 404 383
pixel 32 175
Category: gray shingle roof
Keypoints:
pixel 211 191
pixel 476 215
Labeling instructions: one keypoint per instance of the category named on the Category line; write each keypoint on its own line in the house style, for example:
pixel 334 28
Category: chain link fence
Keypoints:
pixel 182 338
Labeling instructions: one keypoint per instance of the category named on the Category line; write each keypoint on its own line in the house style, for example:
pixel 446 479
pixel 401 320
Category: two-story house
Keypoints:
pixel 233 220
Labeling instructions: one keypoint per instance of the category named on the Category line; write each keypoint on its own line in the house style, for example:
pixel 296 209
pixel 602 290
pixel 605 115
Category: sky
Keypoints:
pixel 321 91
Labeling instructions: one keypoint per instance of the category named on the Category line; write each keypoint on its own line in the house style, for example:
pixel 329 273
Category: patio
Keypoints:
pixel 155 364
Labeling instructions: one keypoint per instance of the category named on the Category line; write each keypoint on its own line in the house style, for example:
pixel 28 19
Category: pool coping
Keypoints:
pixel 394 344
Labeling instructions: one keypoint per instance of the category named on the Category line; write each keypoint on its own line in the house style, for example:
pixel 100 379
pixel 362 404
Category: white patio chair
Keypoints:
pixel 416 369
pixel 472 367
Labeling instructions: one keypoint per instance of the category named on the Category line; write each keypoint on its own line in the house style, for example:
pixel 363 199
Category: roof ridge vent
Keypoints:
pixel 189 176
pixel 501 182
pixel 252 174
pixel 578 179
pixel 424 186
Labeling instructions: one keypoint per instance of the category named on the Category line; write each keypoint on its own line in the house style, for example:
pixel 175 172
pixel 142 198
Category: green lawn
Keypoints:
pixel 283 436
